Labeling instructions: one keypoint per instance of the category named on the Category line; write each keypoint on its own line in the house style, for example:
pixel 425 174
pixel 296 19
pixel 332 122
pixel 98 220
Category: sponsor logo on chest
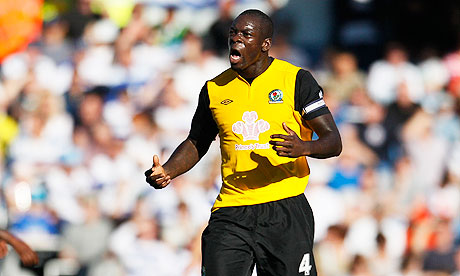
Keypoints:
pixel 250 128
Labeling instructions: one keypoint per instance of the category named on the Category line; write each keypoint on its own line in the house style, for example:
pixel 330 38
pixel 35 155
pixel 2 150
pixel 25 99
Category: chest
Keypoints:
pixel 239 104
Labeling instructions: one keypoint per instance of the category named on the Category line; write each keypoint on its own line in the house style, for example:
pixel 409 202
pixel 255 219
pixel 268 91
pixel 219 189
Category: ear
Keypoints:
pixel 266 45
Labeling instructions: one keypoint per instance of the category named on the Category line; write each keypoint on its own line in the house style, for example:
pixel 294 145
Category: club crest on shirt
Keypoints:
pixel 275 96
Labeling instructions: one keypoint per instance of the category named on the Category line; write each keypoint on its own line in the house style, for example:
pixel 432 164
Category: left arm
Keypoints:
pixel 310 104
pixel 329 143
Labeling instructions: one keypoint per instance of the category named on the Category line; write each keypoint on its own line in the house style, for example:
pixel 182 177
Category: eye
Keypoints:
pixel 247 34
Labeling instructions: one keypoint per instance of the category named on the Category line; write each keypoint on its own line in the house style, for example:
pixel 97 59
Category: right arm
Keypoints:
pixel 190 151
pixel 183 159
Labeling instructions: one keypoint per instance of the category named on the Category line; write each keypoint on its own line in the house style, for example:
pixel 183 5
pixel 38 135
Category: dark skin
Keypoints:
pixel 249 57
pixel 328 145
pixel 251 46
pixel 27 255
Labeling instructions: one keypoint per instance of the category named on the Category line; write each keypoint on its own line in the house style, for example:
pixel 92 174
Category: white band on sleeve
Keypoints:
pixel 313 106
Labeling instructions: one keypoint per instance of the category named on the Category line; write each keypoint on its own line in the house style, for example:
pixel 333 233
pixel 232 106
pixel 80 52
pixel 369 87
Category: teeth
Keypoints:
pixel 235 58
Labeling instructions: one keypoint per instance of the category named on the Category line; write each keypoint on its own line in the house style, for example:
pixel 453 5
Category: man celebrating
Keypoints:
pixel 265 111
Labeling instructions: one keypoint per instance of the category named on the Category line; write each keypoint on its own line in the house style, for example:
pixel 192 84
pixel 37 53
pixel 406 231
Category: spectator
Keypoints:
pixel 382 263
pixel 218 31
pixel 86 242
pixel 359 266
pixel 444 201
pixel 418 133
pixel 452 62
pixel 411 264
pixel 398 113
pixel 344 78
pixel 54 42
pixel 386 75
pixel 139 247
pixel 441 258
pixel 331 255
pixel 77 17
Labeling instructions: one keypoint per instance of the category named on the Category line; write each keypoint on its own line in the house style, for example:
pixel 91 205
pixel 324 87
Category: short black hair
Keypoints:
pixel 265 20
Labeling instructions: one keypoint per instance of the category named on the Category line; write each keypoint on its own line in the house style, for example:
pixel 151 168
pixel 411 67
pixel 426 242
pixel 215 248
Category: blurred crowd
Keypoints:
pixel 84 108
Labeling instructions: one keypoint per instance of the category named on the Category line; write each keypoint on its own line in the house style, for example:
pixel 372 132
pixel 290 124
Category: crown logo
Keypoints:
pixel 250 127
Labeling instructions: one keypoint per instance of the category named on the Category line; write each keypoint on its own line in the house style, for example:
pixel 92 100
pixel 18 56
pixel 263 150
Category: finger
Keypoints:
pixel 148 172
pixel 162 178
pixel 280 136
pixel 154 179
pixel 288 130
pixel 281 143
pixel 281 148
pixel 150 180
pixel 154 184
pixel 283 152
pixel 155 173
pixel 159 182
pixel 156 161
pixel 160 185
pixel 155 176
pixel 166 181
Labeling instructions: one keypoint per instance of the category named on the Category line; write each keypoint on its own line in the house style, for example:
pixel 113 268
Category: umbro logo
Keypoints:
pixel 226 101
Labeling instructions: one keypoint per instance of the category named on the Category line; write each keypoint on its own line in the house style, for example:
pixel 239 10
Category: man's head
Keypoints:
pixel 250 38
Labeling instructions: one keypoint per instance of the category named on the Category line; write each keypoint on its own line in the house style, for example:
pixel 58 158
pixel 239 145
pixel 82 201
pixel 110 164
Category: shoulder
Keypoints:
pixel 284 66
pixel 305 75
pixel 224 77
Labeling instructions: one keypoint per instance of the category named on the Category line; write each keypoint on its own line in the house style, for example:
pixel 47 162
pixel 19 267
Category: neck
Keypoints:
pixel 257 68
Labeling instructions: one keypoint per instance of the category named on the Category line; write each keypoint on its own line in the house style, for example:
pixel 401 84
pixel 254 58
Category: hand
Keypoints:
pixel 156 176
pixel 27 255
pixel 291 146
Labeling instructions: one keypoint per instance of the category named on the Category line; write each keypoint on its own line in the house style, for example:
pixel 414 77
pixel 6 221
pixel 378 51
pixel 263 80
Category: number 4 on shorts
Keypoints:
pixel 305 264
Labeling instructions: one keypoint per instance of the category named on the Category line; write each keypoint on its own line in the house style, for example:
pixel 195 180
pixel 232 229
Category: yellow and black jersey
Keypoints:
pixel 244 114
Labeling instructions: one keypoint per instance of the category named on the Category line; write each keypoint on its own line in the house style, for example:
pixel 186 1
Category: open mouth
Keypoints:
pixel 235 56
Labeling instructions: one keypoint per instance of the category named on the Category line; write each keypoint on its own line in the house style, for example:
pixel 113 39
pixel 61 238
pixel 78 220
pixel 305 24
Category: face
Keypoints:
pixel 246 43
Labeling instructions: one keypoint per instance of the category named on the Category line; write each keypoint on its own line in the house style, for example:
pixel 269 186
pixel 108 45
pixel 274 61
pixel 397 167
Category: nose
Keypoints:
pixel 234 37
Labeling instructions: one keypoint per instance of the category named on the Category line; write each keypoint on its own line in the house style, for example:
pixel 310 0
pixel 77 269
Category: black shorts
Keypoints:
pixel 276 237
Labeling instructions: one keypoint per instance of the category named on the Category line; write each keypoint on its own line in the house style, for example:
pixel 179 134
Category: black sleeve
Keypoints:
pixel 308 96
pixel 204 128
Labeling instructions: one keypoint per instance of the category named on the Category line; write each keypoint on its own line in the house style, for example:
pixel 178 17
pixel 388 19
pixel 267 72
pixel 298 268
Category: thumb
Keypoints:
pixel 156 161
pixel 288 130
